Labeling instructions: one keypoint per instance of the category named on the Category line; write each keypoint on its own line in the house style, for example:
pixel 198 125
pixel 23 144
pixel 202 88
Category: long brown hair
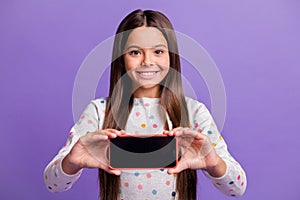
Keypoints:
pixel 120 100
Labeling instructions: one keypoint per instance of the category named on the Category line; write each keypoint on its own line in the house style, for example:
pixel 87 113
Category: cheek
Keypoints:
pixel 130 63
pixel 165 62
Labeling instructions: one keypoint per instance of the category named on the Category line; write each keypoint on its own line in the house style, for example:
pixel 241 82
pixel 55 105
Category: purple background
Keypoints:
pixel 255 45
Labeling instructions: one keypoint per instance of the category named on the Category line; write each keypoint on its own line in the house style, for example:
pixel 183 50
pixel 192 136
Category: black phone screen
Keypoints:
pixel 137 152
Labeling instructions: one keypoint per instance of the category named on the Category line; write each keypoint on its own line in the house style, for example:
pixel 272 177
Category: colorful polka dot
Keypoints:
pixel 101 101
pixel 55 174
pixel 242 184
pixel 140 187
pixel 136 174
pixel 214 144
pixel 137 114
pixel 174 175
pixel 82 117
pixel 46 177
pixel 231 182
pixel 155 125
pixel 68 183
pixel 147 104
pixel 199 131
pixel 56 162
pixel 162 170
pixel 168 182
pixel 50 188
pixel 220 137
pixel 239 177
pixel 136 104
pixel 126 184
pixel 151 117
pixel 209 132
pixel 143 125
pixel 90 121
pixel 148 175
pixel 173 194
pixel 196 125
pixel 154 192
pixel 55 185
pixel 71 133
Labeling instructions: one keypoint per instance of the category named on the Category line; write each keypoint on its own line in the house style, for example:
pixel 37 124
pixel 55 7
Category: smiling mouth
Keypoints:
pixel 147 74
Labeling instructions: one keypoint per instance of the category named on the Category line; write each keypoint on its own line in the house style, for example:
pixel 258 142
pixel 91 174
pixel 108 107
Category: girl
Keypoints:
pixel 145 97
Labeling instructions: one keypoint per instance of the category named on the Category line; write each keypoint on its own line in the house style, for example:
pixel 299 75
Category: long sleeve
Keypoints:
pixel 56 180
pixel 234 181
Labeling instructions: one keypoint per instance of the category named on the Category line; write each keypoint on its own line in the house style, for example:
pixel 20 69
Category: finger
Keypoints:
pixel 180 167
pixel 110 170
pixel 109 130
pixel 168 133
pixel 177 129
pixel 189 133
pixel 122 132
pixel 171 132
pixel 115 172
pixel 109 134
pixel 94 137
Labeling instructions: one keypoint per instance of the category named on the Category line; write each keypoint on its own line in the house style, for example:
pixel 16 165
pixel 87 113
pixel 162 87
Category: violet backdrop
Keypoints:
pixel 255 45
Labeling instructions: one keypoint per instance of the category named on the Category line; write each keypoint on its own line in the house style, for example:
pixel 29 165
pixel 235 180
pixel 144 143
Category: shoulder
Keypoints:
pixel 193 105
pixel 197 109
pixel 96 106
pixel 99 102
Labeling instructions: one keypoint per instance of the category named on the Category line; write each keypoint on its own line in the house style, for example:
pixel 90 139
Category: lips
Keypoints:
pixel 147 74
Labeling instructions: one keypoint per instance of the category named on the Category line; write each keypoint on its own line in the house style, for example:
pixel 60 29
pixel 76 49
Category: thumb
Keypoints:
pixel 112 170
pixel 180 166
pixel 115 172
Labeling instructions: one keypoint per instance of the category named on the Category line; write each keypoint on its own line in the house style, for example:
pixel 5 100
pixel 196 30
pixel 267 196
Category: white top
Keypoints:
pixel 146 117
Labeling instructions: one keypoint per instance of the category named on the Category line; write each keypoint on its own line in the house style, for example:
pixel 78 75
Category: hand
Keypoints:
pixel 90 151
pixel 197 152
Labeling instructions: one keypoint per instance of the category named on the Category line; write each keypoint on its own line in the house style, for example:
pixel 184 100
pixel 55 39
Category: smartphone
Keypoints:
pixel 132 152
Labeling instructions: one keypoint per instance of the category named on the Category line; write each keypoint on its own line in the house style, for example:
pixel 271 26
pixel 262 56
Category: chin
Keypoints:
pixel 148 86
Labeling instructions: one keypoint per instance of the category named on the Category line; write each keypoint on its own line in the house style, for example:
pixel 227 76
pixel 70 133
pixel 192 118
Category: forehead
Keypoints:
pixel 146 37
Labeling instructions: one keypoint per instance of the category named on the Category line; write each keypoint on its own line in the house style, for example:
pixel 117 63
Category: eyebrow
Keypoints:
pixel 138 47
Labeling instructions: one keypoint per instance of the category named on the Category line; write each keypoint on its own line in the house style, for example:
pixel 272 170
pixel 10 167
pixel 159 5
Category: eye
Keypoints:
pixel 134 52
pixel 159 51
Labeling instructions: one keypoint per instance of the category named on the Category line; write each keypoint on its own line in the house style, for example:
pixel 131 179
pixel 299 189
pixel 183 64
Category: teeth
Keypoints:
pixel 147 73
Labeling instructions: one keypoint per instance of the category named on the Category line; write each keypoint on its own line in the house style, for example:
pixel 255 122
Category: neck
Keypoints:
pixel 147 92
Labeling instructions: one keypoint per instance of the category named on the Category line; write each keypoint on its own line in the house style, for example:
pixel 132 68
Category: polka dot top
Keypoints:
pixel 148 117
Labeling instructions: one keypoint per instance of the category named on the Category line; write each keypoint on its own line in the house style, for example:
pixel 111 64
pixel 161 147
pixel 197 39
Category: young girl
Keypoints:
pixel 146 97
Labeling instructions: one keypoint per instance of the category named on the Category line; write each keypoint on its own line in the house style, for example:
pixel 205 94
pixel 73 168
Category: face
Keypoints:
pixel 146 59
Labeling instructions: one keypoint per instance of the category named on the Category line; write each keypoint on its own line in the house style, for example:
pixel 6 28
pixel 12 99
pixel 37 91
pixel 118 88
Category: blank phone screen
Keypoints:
pixel 136 152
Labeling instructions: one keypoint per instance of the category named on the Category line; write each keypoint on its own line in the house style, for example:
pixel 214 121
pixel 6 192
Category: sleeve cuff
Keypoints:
pixel 222 178
pixel 65 176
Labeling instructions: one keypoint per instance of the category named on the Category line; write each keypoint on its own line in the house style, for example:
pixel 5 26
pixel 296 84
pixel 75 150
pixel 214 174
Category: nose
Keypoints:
pixel 147 60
